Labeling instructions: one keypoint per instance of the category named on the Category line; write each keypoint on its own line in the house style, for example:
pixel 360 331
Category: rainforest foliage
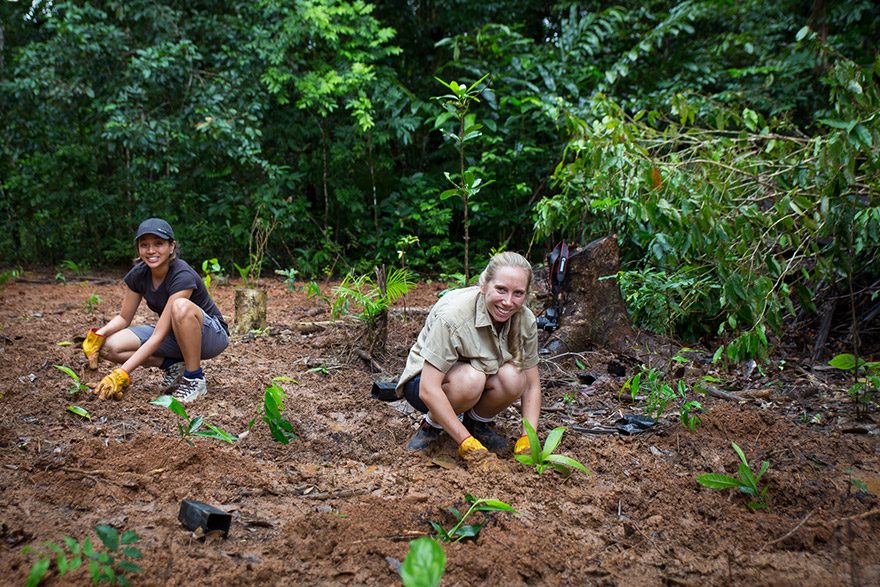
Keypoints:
pixel 733 147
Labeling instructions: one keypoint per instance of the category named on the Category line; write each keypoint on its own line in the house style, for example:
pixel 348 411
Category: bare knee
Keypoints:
pixel 182 308
pixel 463 386
pixel 119 346
pixel 510 381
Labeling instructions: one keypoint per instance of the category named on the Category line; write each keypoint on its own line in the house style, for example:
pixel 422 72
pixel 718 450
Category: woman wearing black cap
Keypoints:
pixel 190 326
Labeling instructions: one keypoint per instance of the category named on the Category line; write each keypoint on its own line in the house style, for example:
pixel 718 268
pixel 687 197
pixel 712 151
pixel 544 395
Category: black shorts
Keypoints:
pixel 411 393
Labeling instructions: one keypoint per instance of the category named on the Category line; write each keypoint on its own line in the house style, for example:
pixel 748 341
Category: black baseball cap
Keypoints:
pixel 155 226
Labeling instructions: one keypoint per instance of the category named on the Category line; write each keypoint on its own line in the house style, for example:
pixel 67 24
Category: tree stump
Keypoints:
pixel 593 313
pixel 250 310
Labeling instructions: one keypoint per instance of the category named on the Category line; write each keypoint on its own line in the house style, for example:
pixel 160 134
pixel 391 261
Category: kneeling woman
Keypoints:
pixel 190 326
pixel 476 355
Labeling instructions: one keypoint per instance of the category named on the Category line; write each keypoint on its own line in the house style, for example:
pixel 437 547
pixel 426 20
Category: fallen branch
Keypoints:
pixel 709 390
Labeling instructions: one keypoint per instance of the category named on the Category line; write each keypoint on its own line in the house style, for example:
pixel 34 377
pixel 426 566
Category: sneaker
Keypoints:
pixel 189 389
pixel 172 376
pixel 483 432
pixel 424 436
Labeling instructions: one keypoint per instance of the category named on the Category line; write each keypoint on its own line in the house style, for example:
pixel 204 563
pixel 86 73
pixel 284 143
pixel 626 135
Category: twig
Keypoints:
pixel 723 394
pixel 787 534
pixel 857 517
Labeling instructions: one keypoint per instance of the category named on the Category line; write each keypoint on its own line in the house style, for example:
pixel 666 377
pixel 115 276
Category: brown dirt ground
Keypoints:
pixel 341 505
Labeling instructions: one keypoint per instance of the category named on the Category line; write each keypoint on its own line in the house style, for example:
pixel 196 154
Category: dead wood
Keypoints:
pixel 593 313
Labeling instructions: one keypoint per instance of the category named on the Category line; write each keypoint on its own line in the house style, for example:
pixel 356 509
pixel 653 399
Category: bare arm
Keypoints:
pixel 442 413
pixel 163 328
pixel 531 398
pixel 130 303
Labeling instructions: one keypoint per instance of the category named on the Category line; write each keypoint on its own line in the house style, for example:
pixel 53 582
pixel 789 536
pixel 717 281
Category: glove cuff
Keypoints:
pixel 94 332
pixel 127 381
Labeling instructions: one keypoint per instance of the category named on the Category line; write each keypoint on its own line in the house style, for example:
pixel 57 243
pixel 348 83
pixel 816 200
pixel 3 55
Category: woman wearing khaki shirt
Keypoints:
pixel 476 355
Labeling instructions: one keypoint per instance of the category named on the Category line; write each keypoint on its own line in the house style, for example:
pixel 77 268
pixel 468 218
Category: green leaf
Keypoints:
pixel 845 361
pixel 109 536
pixel 424 564
pixel 553 440
pixel 38 571
pixel 718 481
pixel 129 566
pixel 166 401
pixel 132 552
pixel 80 412
pixel 741 454
pixel 129 537
pixel 67 370
pixel 493 505
pixel 569 462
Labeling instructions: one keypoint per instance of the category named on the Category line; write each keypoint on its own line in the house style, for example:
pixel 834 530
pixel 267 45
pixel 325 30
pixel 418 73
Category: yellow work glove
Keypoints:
pixel 91 346
pixel 478 458
pixel 522 446
pixel 112 385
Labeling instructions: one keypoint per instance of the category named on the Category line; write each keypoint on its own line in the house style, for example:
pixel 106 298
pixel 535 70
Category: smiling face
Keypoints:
pixel 505 293
pixel 155 251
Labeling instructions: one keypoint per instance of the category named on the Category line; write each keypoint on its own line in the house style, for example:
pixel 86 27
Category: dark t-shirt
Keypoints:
pixel 180 276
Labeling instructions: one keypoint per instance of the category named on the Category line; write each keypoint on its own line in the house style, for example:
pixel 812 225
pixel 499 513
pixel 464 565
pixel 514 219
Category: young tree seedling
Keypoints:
pixel 273 406
pixel 747 482
pixel 460 531
pixel 543 458
pixel 102 564
pixel 77 384
pixel 192 425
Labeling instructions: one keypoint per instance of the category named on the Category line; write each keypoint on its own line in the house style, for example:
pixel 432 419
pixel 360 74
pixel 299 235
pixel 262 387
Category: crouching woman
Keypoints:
pixel 190 326
pixel 476 355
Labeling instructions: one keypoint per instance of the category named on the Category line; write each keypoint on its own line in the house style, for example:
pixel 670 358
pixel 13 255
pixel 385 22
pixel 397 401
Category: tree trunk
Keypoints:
pixel 593 313
pixel 250 310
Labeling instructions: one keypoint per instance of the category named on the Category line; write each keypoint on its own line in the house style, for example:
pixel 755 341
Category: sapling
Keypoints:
pixel 460 531
pixel 424 563
pixel 747 482
pixel 102 564
pixel 192 425
pixel 543 458
pixel 273 406
pixel 77 384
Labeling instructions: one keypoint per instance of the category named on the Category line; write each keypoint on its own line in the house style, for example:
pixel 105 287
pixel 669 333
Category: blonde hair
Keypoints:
pixel 511 259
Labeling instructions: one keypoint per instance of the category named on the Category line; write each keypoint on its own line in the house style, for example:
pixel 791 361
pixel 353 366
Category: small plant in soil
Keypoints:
pixel 313 291
pixel 747 482
pixel 271 411
pixel 460 530
pixel 192 424
pixel 109 565
pixel 867 380
pixel 424 563
pixel 92 302
pixel 77 384
pixel 289 277
pixel 364 295
pixel 213 271
pixel 659 392
pixel 543 458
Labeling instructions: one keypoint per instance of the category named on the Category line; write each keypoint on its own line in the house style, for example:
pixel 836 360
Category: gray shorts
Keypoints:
pixel 214 339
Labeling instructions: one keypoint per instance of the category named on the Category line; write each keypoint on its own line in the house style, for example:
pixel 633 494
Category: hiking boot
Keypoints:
pixel 189 389
pixel 171 376
pixel 483 432
pixel 424 436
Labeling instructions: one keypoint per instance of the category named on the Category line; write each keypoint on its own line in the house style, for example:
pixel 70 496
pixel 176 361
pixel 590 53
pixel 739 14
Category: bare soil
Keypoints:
pixel 340 505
